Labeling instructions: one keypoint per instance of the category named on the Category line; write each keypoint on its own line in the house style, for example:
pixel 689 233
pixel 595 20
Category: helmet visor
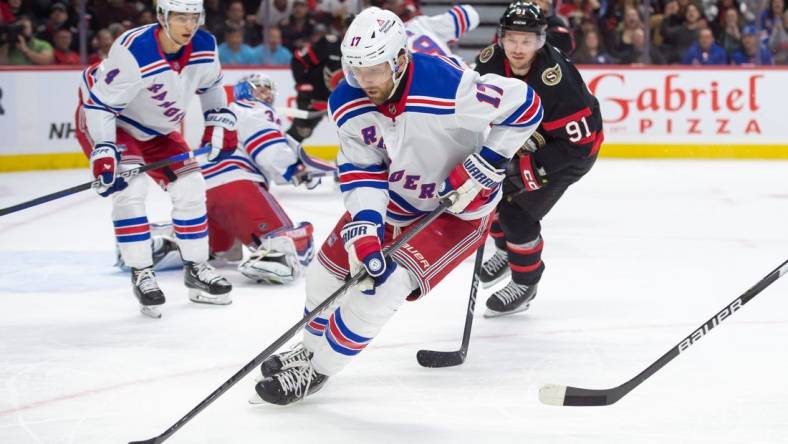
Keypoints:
pixel 361 76
pixel 526 42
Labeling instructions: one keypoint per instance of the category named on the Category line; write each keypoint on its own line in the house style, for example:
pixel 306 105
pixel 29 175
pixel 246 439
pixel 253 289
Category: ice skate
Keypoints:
pixel 495 269
pixel 147 291
pixel 513 298
pixel 205 285
pixel 277 362
pixel 292 383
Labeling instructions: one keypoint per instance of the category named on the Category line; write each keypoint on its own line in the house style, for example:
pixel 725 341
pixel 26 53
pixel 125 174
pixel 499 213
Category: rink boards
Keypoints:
pixel 666 112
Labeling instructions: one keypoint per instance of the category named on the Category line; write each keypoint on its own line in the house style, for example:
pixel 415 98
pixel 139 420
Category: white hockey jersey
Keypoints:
pixel 137 89
pixel 264 154
pixel 394 157
pixel 433 34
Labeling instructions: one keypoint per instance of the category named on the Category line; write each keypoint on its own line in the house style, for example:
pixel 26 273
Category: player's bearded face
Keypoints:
pixel 376 81
pixel 520 48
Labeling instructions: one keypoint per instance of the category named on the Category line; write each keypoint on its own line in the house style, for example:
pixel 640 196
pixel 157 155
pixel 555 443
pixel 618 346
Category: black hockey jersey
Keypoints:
pixel 315 67
pixel 571 127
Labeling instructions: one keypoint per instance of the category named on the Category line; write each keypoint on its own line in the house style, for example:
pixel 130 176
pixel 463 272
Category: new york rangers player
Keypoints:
pixel 241 210
pixel 130 108
pixel 405 140
pixel 434 34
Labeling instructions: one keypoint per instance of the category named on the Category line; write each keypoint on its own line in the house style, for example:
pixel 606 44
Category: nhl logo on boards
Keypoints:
pixel 486 54
pixel 551 76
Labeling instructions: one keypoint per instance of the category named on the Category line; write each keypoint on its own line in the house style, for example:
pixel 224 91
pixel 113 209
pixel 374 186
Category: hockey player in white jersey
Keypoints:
pixel 405 141
pixel 131 106
pixel 433 34
pixel 241 210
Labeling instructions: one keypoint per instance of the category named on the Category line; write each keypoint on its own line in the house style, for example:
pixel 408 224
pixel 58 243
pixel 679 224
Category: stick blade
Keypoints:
pixel 437 359
pixel 554 394
pixel 147 441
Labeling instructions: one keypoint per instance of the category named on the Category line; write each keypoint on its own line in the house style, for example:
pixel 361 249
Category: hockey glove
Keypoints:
pixel 104 160
pixel 533 176
pixel 220 133
pixel 474 180
pixel 364 250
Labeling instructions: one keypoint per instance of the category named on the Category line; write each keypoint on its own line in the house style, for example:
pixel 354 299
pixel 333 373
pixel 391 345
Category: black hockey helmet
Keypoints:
pixel 522 16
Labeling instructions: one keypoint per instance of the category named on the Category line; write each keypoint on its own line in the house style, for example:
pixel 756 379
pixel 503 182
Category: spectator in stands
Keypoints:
pixel 272 52
pixel 297 29
pixel 625 31
pixel 117 11
pixel 678 38
pixel 9 10
pixel 272 12
pixel 116 29
pixel 778 42
pixel 705 51
pixel 730 34
pixel 591 52
pixel 26 50
pixel 58 18
pixel 103 43
pixel 145 17
pixel 637 54
pixel 752 49
pixel 234 51
pixel 63 53
pixel 236 19
pixel 214 16
pixel 770 17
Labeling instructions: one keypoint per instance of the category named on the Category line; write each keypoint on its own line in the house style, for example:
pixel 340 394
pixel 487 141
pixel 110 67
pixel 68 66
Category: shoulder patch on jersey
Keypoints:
pixel 487 54
pixel 552 76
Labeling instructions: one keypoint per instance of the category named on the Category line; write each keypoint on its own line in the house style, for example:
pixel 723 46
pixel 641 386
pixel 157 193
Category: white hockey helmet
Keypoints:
pixel 375 36
pixel 165 7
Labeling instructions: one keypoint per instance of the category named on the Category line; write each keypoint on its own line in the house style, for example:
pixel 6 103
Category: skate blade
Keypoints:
pixel 150 311
pixel 497 314
pixel 496 280
pixel 256 400
pixel 199 297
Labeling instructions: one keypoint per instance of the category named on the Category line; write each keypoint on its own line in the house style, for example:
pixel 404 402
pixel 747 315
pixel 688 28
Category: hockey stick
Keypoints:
pixel 297 113
pixel 276 345
pixel 555 394
pixel 88 185
pixel 433 358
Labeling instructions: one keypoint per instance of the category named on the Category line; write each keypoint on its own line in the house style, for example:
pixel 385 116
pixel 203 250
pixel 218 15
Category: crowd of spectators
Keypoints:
pixel 689 32
pixel 685 32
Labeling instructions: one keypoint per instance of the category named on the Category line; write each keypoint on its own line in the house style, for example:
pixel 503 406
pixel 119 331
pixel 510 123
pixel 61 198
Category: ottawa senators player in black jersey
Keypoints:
pixel 317 69
pixel 559 153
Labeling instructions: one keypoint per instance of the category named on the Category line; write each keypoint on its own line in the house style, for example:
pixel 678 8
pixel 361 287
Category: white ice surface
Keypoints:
pixel 638 254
